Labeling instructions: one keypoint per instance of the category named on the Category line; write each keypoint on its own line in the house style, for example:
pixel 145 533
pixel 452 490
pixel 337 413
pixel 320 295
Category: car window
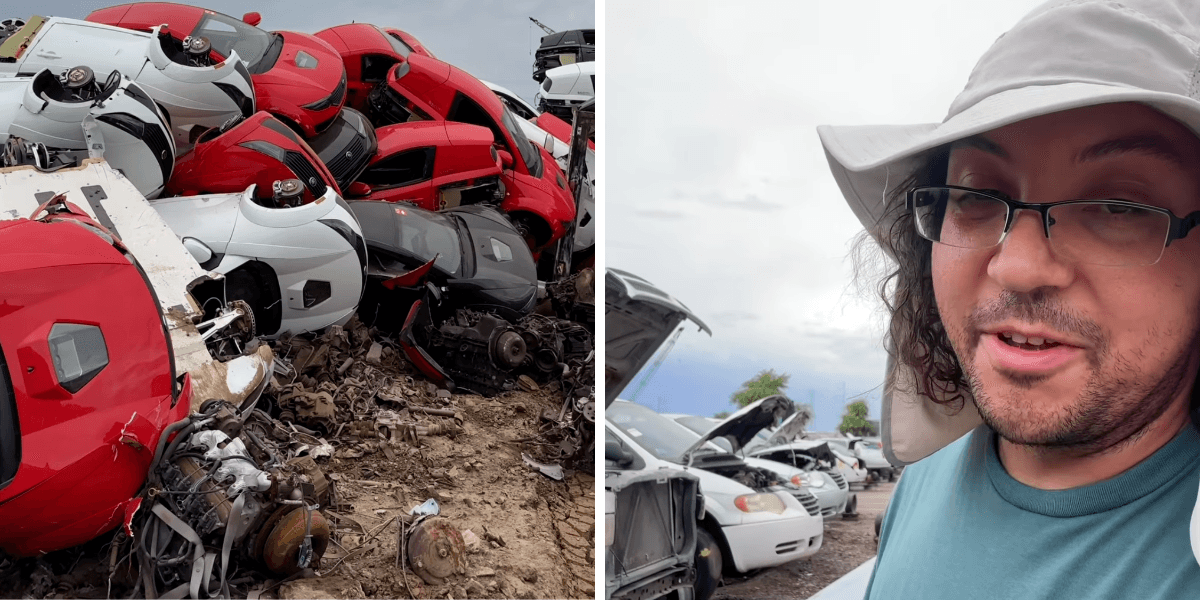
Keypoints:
pixel 518 109
pixel 658 435
pixel 10 435
pixel 402 168
pixel 398 44
pixel 386 106
pixel 375 67
pixel 227 34
pixel 529 152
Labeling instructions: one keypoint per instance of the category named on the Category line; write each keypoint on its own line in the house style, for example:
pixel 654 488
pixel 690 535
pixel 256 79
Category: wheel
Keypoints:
pixel 891 475
pixel 709 564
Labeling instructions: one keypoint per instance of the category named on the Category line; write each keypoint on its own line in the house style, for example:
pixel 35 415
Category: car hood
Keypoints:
pixel 502 258
pixel 638 318
pixel 306 85
pixel 791 428
pixel 741 427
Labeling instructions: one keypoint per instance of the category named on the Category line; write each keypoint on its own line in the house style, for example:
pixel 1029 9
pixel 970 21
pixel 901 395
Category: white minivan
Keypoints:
pixel 752 519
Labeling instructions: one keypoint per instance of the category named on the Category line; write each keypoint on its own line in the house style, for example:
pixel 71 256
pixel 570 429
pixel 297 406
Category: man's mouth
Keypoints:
pixel 1027 343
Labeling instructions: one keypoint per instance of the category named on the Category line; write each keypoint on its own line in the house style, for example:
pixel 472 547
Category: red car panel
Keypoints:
pixel 85 453
pixel 449 155
pixel 411 40
pixel 560 129
pixel 285 89
pixel 259 150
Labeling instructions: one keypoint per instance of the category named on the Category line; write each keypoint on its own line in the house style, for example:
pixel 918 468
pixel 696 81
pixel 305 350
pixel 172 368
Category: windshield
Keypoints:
pixel 424 234
pixel 397 44
pixel 660 436
pixel 227 34
pixel 529 153
pixel 701 426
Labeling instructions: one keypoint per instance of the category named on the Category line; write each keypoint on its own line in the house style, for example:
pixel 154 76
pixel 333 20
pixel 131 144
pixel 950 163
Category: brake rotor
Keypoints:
pixel 281 551
pixel 436 551
pixel 78 77
pixel 196 45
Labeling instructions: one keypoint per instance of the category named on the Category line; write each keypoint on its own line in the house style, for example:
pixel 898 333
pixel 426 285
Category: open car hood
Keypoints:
pixel 741 427
pixel 638 318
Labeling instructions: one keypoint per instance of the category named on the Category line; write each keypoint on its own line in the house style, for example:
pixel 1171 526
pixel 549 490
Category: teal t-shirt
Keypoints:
pixel 959 526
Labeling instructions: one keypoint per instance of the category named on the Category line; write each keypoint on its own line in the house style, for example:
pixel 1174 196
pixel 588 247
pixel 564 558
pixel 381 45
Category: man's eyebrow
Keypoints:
pixel 980 142
pixel 1147 144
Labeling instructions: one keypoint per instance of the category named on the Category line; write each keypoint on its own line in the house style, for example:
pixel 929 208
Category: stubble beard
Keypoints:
pixel 1116 405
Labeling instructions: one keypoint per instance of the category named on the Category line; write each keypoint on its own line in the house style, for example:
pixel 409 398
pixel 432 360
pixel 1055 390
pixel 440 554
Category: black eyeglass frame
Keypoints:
pixel 1178 229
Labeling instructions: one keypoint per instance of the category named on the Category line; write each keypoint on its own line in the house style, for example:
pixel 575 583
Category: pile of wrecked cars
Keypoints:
pixel 659 537
pixel 181 191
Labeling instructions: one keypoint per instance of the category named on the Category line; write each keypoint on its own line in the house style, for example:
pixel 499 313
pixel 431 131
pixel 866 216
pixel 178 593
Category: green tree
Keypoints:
pixel 854 422
pixel 766 383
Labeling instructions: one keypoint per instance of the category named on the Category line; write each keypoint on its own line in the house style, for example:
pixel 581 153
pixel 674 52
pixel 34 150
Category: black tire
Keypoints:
pixel 891 475
pixel 709 564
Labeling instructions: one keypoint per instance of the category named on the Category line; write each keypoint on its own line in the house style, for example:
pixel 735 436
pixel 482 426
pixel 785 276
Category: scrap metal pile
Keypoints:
pixel 242 299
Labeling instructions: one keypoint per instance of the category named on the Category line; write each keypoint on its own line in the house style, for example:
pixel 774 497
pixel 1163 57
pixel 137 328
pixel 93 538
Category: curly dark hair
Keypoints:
pixel 915 337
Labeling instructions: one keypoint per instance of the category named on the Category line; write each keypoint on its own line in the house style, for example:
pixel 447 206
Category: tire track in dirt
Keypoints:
pixel 574 516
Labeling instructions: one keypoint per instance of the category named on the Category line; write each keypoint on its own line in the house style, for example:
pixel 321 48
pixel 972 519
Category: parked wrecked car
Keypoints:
pixel 297 77
pixel 650 516
pixel 752 518
pixel 434 165
pixel 86 383
pixel 77 117
pixel 536 195
pixel 368 52
pixel 300 267
pixel 563 48
pixel 567 87
pixel 877 467
pixel 190 94
pixel 99 353
pixel 832 499
pixel 780 446
pixel 459 286
pixel 255 151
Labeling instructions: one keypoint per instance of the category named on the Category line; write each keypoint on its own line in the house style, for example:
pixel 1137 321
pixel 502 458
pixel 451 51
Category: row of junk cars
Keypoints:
pixel 179 186
pixel 688 498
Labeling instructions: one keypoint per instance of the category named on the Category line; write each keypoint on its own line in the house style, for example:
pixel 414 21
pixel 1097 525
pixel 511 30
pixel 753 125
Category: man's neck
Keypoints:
pixel 1060 469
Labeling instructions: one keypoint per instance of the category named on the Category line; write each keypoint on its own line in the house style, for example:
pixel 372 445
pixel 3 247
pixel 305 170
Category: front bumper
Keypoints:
pixel 774 542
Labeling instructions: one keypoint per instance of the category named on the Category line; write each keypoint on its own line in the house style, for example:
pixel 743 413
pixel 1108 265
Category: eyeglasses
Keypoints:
pixel 1098 232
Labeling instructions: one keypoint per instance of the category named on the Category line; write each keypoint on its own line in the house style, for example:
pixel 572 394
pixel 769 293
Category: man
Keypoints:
pixel 1048 286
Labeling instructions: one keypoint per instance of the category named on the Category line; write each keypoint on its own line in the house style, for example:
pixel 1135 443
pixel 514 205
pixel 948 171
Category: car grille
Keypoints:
pixel 829 511
pixel 786 547
pixel 346 165
pixel 338 93
pixel 808 500
pixel 305 172
pixel 839 479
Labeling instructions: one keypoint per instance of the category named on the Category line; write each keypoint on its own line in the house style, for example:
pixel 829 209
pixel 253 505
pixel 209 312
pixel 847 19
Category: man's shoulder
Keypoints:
pixel 964 454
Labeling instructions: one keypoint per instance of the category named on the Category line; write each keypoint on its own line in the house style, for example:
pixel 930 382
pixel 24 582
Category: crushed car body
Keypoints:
pixel 650 515
pixel 296 76
pixel 52 122
pixel 190 94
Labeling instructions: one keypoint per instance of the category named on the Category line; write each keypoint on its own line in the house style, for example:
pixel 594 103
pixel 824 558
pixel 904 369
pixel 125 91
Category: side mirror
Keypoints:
pixel 620 455
pixel 506 159
pixel 358 189
pixel 252 19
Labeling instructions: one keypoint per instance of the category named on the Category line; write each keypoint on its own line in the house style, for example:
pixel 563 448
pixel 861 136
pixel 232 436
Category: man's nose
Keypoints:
pixel 1025 260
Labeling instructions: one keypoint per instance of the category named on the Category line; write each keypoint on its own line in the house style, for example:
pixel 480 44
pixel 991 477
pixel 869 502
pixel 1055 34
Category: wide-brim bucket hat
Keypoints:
pixel 1065 54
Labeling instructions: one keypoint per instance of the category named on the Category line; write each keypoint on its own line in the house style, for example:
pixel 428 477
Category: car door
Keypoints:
pixel 406 176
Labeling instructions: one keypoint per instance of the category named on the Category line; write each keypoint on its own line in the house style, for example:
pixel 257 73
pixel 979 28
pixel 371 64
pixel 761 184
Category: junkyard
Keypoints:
pixel 291 315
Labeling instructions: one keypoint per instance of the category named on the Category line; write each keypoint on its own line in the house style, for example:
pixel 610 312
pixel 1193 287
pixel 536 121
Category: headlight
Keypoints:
pixel 800 479
pixel 760 503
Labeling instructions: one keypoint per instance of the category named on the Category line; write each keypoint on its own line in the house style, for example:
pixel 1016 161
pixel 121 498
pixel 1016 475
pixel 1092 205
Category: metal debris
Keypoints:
pixel 554 472
pixel 436 551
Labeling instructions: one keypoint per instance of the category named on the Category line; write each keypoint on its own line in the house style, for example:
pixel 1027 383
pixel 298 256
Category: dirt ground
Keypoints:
pixel 847 544
pixel 526 535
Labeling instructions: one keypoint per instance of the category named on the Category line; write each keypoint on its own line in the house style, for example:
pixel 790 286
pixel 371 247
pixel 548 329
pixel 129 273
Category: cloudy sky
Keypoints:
pixel 717 190
pixel 492 40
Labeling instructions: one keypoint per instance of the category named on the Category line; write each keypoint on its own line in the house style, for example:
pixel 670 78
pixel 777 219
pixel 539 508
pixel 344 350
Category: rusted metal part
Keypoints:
pixel 299 531
pixel 436 551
